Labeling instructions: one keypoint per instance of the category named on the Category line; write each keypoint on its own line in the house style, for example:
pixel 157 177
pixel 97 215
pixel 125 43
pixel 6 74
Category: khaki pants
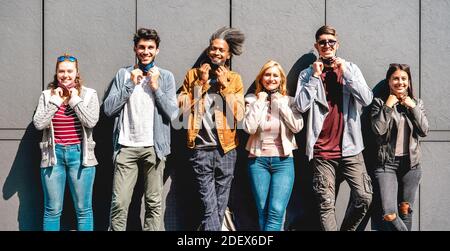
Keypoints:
pixel 127 164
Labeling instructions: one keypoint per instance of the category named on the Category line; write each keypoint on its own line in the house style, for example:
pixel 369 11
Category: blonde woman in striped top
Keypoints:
pixel 66 113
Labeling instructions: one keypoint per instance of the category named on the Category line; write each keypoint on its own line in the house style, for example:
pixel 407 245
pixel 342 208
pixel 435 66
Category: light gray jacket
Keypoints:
pixel 256 111
pixel 86 108
pixel 311 96
pixel 166 108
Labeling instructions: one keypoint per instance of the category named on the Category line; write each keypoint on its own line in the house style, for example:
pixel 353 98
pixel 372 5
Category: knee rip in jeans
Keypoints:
pixel 404 208
pixel 390 217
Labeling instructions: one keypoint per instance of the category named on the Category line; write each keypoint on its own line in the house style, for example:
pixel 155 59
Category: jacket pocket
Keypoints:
pixel 45 151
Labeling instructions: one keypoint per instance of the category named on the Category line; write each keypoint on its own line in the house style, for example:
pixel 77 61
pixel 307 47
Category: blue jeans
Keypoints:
pixel 272 180
pixel 81 180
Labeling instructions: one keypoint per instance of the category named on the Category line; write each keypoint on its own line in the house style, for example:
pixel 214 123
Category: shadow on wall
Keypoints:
pixel 24 179
pixel 374 214
pixel 301 213
pixel 101 200
pixel 302 63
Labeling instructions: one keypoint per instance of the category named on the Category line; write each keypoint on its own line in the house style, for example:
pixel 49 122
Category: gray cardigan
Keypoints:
pixel 166 108
pixel 86 108
pixel 311 96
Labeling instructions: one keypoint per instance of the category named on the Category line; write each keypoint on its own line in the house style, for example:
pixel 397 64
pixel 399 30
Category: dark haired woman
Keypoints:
pixel 398 120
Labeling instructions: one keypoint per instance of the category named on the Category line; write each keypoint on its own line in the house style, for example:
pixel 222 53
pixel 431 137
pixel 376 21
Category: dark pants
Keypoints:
pixel 353 170
pixel 214 173
pixel 398 183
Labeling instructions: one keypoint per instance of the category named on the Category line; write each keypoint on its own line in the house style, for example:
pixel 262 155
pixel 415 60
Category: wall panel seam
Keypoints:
pixel 43 45
pixel 420 92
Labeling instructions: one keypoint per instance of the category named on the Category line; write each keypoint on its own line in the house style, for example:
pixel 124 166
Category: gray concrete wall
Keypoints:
pixel 373 33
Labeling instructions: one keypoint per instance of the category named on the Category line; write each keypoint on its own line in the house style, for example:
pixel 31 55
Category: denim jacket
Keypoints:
pixel 311 96
pixel 166 108
pixel 385 123
pixel 86 108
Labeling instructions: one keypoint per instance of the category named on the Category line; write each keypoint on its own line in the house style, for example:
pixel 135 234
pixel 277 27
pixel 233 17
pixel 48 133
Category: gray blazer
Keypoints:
pixel 311 96
pixel 165 103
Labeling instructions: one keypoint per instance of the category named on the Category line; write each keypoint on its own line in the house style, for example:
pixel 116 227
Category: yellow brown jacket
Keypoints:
pixel 191 102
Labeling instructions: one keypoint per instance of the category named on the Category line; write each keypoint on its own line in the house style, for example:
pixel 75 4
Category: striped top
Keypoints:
pixel 67 126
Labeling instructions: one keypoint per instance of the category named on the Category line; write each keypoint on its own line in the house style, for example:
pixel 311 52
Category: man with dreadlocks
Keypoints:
pixel 212 96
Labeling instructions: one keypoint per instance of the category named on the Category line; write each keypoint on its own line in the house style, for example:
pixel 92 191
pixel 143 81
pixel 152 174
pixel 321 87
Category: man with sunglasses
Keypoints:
pixel 143 102
pixel 334 91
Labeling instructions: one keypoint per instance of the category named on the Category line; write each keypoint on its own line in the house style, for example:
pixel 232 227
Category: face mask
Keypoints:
pixel 270 92
pixel 67 87
pixel 328 61
pixel 215 65
pixel 146 68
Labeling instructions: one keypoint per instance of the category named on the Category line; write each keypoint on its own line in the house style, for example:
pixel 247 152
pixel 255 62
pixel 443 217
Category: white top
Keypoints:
pixel 137 124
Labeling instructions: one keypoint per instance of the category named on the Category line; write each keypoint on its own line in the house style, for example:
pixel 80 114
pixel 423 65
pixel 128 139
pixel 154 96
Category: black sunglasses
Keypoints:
pixel 63 58
pixel 331 43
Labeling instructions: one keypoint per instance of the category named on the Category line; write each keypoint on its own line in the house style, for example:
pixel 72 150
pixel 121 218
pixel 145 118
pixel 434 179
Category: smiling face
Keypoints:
pixel 66 72
pixel 146 51
pixel 327 46
pixel 271 78
pixel 399 82
pixel 219 52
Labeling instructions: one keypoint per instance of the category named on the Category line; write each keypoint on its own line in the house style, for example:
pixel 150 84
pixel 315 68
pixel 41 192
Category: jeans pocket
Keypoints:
pixel 367 183
pixel 45 151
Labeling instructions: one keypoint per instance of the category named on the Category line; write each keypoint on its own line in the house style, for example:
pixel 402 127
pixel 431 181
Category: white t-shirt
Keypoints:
pixel 137 124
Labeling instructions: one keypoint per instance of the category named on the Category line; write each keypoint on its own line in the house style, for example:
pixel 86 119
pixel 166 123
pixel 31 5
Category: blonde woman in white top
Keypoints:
pixel 271 119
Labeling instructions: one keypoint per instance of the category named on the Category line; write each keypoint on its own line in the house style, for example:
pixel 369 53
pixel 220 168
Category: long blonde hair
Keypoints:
pixel 270 64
